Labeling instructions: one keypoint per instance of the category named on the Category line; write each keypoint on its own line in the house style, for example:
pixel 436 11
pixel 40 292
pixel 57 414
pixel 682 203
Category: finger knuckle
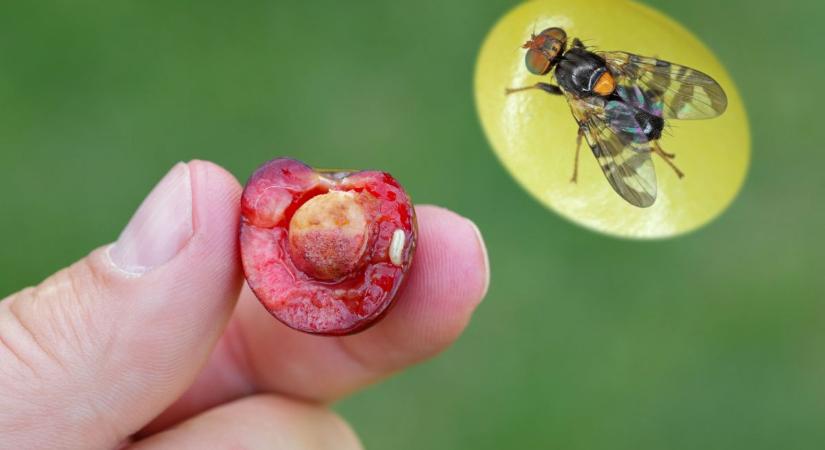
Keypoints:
pixel 52 326
pixel 51 350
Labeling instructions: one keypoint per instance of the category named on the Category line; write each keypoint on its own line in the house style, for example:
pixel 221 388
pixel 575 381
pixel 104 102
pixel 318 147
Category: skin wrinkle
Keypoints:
pixel 15 353
pixel 85 317
pixel 97 413
pixel 17 317
pixel 84 411
pixel 77 276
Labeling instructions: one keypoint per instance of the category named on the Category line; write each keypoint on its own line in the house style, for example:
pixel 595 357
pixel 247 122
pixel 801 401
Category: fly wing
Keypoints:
pixel 619 145
pixel 665 89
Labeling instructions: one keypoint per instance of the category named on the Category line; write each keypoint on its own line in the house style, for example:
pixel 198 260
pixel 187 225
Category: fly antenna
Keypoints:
pixel 529 42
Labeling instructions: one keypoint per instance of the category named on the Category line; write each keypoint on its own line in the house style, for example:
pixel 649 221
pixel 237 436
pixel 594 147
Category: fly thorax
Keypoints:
pixel 579 70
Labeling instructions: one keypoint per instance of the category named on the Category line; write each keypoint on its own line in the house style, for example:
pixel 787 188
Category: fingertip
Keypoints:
pixel 222 178
pixel 484 257
pixel 216 194
pixel 447 281
pixel 452 254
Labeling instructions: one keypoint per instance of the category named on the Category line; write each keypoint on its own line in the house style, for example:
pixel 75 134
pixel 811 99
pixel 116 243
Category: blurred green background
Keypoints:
pixel 713 340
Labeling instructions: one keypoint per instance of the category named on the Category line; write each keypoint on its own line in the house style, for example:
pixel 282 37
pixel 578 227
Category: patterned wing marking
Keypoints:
pixel 620 147
pixel 665 89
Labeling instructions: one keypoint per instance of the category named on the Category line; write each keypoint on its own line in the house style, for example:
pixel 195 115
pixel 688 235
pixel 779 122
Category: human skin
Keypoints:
pixel 153 342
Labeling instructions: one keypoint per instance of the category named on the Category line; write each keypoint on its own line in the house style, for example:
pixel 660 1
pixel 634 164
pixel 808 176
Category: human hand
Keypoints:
pixel 142 344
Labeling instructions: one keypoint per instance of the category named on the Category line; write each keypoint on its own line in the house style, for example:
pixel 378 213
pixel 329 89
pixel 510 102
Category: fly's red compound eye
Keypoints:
pixel 536 62
pixel 556 34
pixel 554 42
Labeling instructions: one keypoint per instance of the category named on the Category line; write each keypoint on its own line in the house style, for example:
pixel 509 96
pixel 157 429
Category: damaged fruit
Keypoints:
pixel 325 251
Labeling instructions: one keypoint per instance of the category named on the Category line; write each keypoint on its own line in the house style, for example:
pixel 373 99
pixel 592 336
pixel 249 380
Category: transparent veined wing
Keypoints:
pixel 619 145
pixel 665 89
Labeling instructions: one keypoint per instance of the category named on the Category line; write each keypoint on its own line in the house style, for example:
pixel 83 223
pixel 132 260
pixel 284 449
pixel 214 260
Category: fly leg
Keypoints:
pixel 576 160
pixel 667 157
pixel 666 154
pixel 546 87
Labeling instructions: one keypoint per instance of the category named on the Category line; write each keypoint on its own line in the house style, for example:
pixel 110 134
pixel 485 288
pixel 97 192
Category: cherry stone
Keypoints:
pixel 328 235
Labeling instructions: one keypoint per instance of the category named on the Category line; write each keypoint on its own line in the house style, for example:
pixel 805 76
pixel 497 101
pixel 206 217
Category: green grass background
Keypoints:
pixel 715 340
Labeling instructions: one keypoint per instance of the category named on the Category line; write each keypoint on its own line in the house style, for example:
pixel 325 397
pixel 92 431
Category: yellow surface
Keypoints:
pixel 534 134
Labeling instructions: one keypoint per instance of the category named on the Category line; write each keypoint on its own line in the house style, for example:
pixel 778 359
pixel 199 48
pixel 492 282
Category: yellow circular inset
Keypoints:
pixel 534 134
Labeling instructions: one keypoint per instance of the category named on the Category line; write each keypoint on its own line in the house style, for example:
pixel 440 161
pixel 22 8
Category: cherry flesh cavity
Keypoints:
pixel 325 252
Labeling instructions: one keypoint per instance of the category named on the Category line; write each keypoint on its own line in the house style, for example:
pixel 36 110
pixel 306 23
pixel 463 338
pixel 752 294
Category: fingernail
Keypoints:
pixel 160 228
pixel 483 250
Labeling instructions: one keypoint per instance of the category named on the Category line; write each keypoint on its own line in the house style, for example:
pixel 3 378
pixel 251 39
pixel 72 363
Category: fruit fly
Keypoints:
pixel 620 102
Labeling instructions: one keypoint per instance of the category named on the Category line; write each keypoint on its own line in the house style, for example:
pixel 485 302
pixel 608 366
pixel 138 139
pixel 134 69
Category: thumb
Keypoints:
pixel 98 349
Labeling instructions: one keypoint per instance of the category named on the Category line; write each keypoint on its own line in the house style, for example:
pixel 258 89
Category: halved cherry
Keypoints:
pixel 325 251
